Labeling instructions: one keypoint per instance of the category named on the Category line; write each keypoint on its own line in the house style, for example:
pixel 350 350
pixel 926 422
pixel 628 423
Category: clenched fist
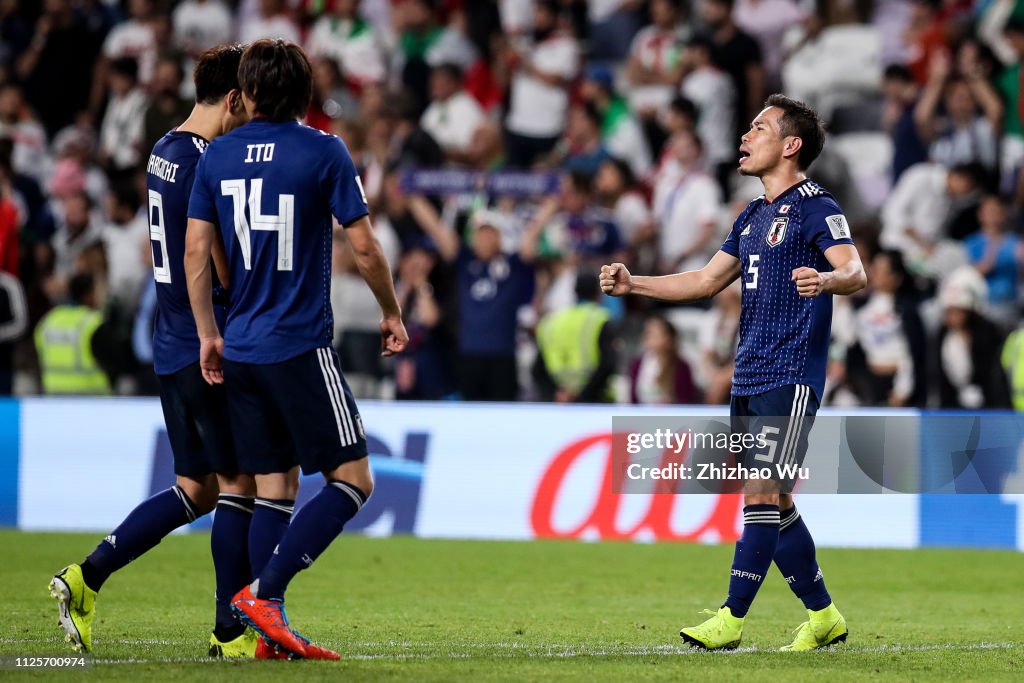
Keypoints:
pixel 809 282
pixel 616 280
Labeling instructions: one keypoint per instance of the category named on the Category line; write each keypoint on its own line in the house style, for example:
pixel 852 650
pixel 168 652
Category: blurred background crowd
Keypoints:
pixel 508 148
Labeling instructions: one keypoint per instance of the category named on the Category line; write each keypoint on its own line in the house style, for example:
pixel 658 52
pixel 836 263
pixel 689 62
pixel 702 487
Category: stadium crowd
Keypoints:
pixel 507 149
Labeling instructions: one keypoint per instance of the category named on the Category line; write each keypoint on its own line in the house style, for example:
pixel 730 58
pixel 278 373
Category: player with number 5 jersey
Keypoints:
pixel 272 190
pixel 793 250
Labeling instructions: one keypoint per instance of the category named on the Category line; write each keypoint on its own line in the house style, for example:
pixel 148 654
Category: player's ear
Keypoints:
pixel 792 146
pixel 235 105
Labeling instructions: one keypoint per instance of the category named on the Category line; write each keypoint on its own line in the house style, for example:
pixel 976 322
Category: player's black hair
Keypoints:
pixel 898 72
pixel 216 73
pixel 80 286
pixel 125 66
pixel 799 120
pixel 277 76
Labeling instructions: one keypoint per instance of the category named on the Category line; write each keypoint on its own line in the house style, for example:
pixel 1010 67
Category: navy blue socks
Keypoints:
pixel 753 556
pixel 229 544
pixel 270 520
pixel 795 558
pixel 141 530
pixel 315 526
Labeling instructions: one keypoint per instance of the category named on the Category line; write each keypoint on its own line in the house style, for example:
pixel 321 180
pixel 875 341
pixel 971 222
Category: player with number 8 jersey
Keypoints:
pixel 271 190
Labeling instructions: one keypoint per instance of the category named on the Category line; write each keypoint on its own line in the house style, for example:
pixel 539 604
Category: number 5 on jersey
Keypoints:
pixel 752 271
pixel 283 223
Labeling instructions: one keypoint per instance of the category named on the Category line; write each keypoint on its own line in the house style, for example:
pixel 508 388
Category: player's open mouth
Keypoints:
pixel 744 155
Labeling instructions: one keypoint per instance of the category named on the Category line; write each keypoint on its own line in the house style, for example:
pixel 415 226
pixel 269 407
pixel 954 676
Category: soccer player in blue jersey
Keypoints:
pixel 793 250
pixel 272 189
pixel 206 470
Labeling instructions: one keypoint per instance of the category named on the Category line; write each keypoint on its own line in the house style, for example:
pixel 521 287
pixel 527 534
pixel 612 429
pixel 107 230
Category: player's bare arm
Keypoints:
pixel 374 268
pixel 199 239
pixel 847 276
pixel 693 285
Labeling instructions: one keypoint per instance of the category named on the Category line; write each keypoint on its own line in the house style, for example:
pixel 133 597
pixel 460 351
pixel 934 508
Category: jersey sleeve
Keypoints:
pixel 201 204
pixel 823 223
pixel 731 246
pixel 341 184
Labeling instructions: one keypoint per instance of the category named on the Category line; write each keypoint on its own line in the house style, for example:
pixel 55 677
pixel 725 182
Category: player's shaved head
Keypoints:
pixel 216 73
pixel 276 75
pixel 799 120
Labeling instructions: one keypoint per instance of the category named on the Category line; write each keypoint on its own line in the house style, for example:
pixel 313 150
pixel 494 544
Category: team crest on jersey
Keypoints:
pixel 784 208
pixel 777 232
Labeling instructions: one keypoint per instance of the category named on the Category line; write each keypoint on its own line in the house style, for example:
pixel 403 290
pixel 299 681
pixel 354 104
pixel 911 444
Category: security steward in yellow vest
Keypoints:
pixel 1013 364
pixel 576 347
pixel 66 342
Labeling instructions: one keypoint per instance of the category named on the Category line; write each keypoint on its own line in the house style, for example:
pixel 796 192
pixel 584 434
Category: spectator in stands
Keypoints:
pixel 687 201
pixel 73 344
pixel 331 99
pixel 659 376
pixel 582 149
pixel 654 67
pixel 888 365
pixel 273 20
pixel 61 51
pixel 768 21
pixel 719 347
pixel 929 209
pixel 996 253
pixel 120 147
pixel 351 42
pixel 901 94
pixel 621 133
pixel 1012 360
pixel 417 25
pixel 201 24
pixel 492 286
pixel 18 123
pixel 125 239
pixel 78 231
pixel 410 145
pixel 613 24
pixel 737 54
pixel 576 349
pixel 968 346
pixel 423 372
pixel 962 135
pixel 542 69
pixel 167 108
pixel 616 190
pixel 577 229
pixel 925 36
pixel 712 91
pixel 13 324
pixel 453 115
pixel 10 222
pixel 132 39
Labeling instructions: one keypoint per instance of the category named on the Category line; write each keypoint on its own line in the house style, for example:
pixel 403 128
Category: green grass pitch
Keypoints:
pixel 408 609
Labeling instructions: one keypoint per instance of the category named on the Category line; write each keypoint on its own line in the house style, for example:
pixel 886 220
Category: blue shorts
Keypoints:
pixel 197 421
pixel 296 412
pixel 782 418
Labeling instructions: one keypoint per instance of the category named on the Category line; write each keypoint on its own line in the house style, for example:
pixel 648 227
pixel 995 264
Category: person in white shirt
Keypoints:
pixel 344 36
pixel 27 134
pixel 539 99
pixel 453 115
pixel 201 24
pixel 768 21
pixel 272 21
pixel 654 66
pixel 712 91
pixel 121 132
pixel 134 38
pixel 125 238
pixel 687 202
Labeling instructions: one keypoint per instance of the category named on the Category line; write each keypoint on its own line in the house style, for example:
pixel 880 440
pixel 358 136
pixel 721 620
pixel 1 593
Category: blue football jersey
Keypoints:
pixel 169 176
pixel 783 337
pixel 272 188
